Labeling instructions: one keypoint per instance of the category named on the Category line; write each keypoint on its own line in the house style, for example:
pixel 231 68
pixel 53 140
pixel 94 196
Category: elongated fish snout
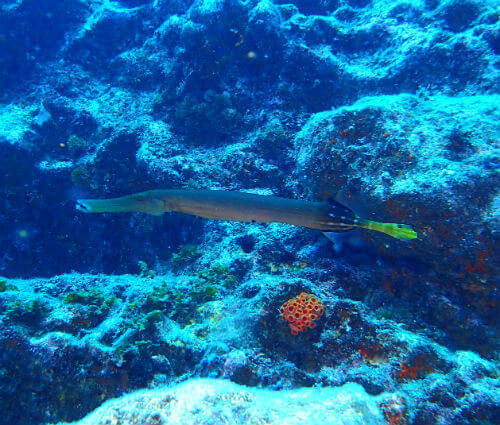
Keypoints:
pixel 124 204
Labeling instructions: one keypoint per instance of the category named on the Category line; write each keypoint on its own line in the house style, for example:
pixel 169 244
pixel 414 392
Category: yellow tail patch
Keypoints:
pixel 402 232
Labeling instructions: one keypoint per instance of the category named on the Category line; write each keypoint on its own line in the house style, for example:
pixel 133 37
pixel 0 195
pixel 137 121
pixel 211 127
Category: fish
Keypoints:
pixel 328 216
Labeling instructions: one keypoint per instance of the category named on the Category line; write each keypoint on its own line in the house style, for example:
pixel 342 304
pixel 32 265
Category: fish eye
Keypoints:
pixel 400 226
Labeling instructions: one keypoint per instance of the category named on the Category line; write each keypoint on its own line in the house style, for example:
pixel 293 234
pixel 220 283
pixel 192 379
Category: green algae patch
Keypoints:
pixel 26 312
pixel 218 275
pixel 77 145
pixel 208 284
pixel 186 255
pixel 144 270
pixel 5 286
pixel 80 176
pixel 149 320
pixel 95 300
pixel 213 113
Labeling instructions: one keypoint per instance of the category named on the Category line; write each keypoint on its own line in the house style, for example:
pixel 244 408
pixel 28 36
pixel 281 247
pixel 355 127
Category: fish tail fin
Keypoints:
pixel 402 232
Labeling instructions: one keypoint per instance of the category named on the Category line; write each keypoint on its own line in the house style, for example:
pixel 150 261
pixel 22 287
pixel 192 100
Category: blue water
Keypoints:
pixel 391 108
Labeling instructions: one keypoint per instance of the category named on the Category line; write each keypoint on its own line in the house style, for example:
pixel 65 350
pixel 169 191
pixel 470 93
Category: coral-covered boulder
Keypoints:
pixel 429 161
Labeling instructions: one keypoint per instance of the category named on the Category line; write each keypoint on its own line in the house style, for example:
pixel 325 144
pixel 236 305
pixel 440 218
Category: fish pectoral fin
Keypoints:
pixel 330 235
pixel 341 236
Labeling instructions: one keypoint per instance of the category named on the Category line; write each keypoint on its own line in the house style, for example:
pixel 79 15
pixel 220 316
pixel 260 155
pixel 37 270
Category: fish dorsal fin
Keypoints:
pixel 338 210
pixel 356 201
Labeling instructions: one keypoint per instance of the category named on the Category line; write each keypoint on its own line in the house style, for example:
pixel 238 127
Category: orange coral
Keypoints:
pixel 395 411
pixel 419 367
pixel 301 312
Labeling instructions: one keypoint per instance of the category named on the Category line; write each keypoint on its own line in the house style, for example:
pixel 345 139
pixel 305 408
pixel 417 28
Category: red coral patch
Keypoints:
pixel 301 312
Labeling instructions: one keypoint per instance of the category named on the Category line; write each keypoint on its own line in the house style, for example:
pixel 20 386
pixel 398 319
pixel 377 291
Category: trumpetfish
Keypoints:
pixel 329 216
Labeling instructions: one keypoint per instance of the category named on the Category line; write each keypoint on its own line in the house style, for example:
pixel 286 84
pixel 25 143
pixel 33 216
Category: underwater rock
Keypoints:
pixel 127 332
pixel 38 30
pixel 443 188
pixel 390 105
pixel 174 64
pixel 204 401
pixel 460 14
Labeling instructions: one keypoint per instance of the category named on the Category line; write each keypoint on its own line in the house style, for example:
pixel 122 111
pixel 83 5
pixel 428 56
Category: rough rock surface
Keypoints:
pixel 204 402
pixel 391 103
pixel 77 340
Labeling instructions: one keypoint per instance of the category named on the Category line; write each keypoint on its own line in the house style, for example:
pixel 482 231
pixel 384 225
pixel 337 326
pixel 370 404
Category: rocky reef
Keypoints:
pixel 76 340
pixel 204 402
pixel 391 106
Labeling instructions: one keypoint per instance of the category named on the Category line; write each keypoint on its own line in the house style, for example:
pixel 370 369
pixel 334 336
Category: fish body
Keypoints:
pixel 328 216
